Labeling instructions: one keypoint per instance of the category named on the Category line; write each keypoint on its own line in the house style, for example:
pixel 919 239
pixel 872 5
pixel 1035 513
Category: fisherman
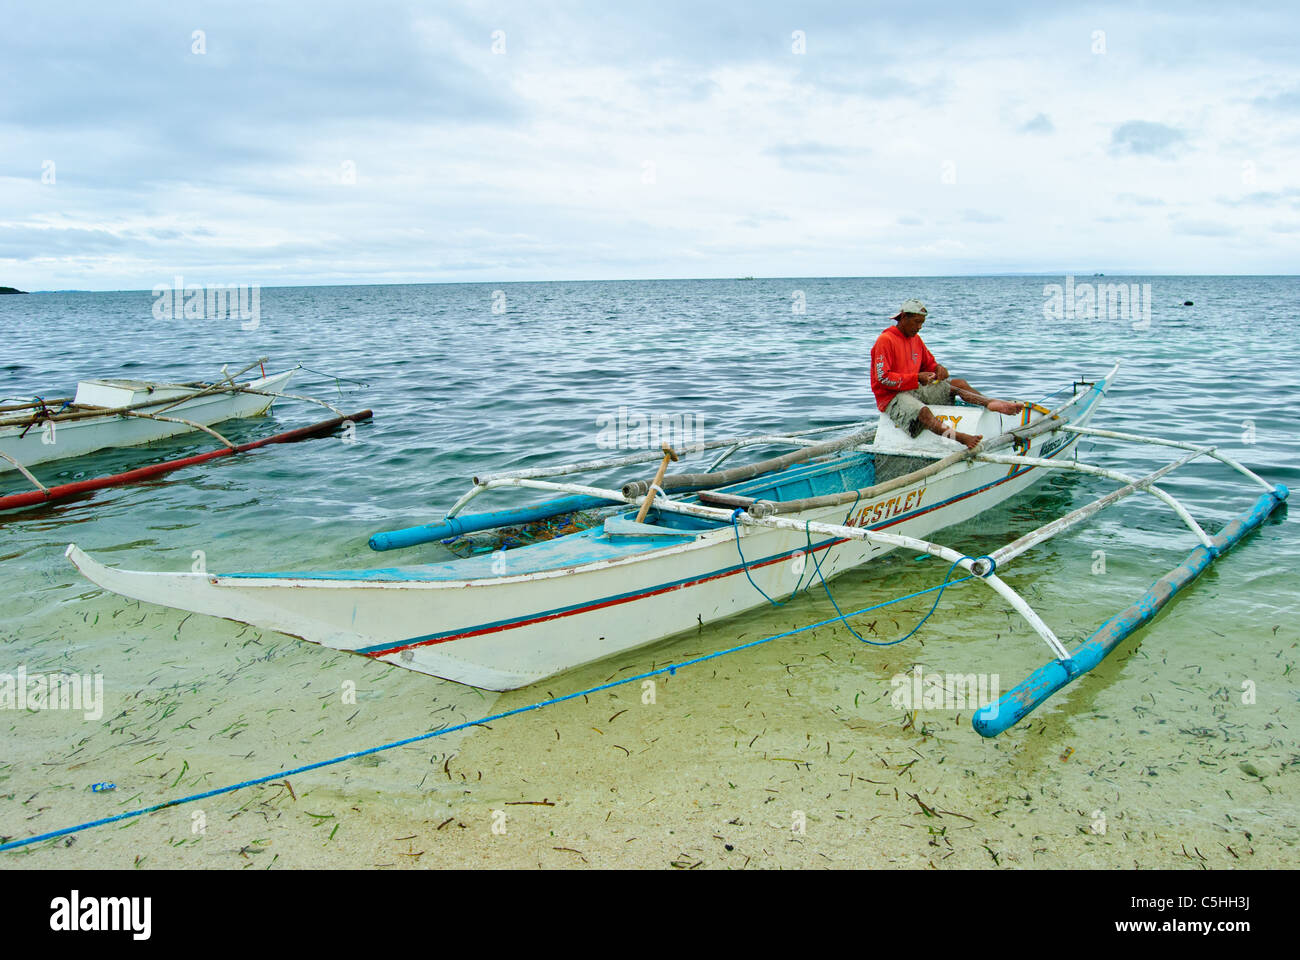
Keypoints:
pixel 905 377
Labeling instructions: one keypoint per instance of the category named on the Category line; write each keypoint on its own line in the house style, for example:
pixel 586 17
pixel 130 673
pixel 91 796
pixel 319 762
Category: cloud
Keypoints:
pixel 1202 228
pixel 1265 198
pixel 1145 138
pixel 760 220
pixel 1137 199
pixel 1040 124
pixel 530 163
pixel 813 156
pixel 1288 101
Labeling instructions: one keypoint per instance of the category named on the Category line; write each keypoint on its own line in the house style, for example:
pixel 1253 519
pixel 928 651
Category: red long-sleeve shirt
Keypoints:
pixel 895 362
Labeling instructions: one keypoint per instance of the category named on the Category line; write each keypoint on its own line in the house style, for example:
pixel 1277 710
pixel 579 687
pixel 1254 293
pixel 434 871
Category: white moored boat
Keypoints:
pixel 126 413
pixel 735 538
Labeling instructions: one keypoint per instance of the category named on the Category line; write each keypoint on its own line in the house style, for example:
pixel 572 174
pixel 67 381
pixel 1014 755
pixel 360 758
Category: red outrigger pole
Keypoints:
pixel 33 497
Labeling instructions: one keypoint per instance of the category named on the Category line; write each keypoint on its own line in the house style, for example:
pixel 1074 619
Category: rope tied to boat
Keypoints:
pixel 41 415
pixel 744 565
pixel 334 377
pixel 982 566
pixel 947 581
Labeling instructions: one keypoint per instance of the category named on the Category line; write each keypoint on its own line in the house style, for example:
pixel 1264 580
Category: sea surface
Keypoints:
pixel 469 379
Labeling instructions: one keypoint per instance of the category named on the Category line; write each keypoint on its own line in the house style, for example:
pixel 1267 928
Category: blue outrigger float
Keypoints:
pixel 687 549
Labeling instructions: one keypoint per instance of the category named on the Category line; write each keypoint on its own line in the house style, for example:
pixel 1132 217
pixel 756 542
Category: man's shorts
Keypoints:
pixel 905 408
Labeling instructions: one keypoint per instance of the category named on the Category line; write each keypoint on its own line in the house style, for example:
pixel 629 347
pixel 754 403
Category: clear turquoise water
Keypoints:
pixel 459 390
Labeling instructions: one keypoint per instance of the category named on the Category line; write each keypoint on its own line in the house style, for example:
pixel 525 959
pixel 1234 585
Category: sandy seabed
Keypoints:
pixel 790 755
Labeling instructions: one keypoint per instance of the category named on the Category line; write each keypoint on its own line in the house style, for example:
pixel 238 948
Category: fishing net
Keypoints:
pixel 889 466
pixel 506 538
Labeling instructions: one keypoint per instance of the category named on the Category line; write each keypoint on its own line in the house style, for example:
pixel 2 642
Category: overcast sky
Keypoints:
pixel 292 143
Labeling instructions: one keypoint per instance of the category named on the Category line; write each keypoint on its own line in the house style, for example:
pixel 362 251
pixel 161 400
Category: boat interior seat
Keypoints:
pixel 965 418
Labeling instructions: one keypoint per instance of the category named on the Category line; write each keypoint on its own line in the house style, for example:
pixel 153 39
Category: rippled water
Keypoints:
pixel 466 379
pixel 458 389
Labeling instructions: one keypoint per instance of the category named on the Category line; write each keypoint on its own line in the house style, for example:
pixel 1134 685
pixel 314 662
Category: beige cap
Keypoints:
pixel 910 306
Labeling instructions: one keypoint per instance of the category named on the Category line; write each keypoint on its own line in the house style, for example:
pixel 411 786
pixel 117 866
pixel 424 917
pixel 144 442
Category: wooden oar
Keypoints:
pixel 669 457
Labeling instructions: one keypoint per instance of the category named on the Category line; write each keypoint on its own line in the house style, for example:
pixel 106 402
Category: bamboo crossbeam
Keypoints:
pixel 1161 442
pixel 795 438
pixel 216 387
pixel 1075 517
pixel 33 404
pixel 291 396
pixel 25 472
pixel 189 423
pixel 1076 467
pixel 722 478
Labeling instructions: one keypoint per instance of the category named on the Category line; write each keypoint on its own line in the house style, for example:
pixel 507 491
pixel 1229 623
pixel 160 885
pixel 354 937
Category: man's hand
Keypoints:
pixel 924 378
pixel 940 372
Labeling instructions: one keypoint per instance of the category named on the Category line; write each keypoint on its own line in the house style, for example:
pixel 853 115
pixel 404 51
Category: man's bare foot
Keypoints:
pixel 1005 406
pixel 966 438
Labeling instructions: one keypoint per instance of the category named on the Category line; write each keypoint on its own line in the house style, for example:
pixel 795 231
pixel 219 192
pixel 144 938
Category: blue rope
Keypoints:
pixel 744 565
pixel 735 514
pixel 283 774
pixel 847 517
pixel 941 587
pixel 1053 394
pixel 817 567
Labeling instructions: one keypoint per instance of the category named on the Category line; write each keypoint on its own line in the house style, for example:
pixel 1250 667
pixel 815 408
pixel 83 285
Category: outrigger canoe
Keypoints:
pixel 126 413
pixel 129 413
pixel 699 548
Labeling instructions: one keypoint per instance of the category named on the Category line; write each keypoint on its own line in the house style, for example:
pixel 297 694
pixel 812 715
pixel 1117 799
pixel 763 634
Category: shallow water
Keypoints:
pixel 459 390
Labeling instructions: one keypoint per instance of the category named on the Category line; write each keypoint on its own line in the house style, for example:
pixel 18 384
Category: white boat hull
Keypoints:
pixel 42 443
pixel 506 632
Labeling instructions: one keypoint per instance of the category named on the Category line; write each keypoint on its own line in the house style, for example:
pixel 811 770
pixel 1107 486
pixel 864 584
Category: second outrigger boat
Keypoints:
pixel 729 541
pixel 127 413
pixel 111 414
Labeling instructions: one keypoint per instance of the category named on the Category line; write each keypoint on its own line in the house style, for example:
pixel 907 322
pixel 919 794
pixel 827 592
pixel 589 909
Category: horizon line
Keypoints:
pixel 937 276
